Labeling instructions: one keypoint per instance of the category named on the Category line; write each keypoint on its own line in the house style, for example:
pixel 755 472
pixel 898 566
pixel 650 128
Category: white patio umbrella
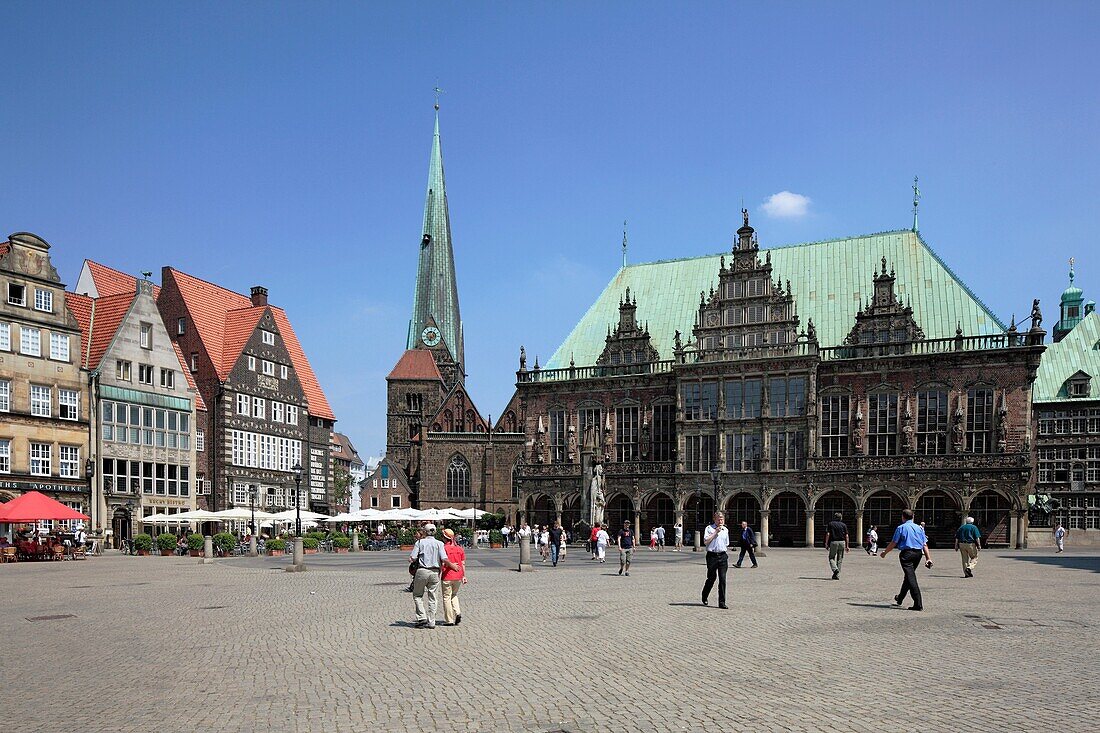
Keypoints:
pixel 438 514
pixel 345 517
pixel 467 513
pixel 155 518
pixel 291 514
pixel 240 514
pixel 370 514
pixel 197 515
pixel 400 515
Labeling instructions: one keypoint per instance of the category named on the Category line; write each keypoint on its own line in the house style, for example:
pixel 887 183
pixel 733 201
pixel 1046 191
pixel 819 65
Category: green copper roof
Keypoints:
pixel 1078 351
pixel 436 298
pixel 830 280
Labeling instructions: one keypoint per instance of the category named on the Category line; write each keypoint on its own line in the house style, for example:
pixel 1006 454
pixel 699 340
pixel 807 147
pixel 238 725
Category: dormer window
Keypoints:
pixel 1073 311
pixel 269 338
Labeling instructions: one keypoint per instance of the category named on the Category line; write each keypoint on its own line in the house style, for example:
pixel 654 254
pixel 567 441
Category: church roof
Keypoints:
pixel 1078 351
pixel 436 297
pixel 415 364
pixel 831 281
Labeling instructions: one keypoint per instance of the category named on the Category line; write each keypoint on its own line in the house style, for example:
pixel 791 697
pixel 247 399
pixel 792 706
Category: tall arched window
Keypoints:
pixel 458 478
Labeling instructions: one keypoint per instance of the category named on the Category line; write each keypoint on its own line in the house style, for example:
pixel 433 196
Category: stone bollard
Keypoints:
pixel 698 541
pixel 252 550
pixel 207 550
pixel 299 553
pixel 355 542
pixel 760 546
pixel 525 565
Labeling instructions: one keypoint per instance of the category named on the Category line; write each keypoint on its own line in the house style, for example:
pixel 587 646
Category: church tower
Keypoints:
pixel 436 324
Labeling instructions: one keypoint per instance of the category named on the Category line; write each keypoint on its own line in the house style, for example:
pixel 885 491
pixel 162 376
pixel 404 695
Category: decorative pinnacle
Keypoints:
pixel 1071 271
pixel 624 242
pixel 916 202
pixel 437 91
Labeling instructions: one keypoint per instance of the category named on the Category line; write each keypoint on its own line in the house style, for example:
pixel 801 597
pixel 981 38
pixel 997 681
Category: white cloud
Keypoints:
pixel 786 205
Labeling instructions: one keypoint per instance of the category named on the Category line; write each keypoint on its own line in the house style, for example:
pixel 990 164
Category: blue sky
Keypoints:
pixel 286 144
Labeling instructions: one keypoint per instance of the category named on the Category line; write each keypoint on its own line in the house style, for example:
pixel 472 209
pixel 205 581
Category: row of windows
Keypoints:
pixel 269 496
pixel 395 501
pixel 41 401
pixel 744 451
pixel 1062 465
pixel 590 422
pixel 931 423
pixel 268 367
pixel 43 299
pixel 1080 512
pixel 30 341
pixel 786 398
pixel 146 477
pixel 257 407
pixel 138 425
pixel 124 372
pixel 747 340
pixel 753 288
pixel 41 459
pixel 269 452
pixel 1069 422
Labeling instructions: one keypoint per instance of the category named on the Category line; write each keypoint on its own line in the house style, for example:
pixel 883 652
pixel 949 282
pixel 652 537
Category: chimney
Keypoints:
pixel 259 295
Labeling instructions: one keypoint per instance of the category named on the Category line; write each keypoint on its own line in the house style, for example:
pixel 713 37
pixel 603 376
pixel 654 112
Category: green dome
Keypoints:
pixel 1071 294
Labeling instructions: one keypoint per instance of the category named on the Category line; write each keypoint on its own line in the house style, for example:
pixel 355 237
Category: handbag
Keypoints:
pixel 415 564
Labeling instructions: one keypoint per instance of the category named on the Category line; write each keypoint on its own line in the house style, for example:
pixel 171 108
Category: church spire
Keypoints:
pixel 435 317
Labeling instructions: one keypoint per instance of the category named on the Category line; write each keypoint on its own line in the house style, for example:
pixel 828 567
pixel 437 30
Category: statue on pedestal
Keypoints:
pixel 596 494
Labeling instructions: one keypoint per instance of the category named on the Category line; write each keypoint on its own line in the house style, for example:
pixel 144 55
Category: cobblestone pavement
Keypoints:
pixel 169 644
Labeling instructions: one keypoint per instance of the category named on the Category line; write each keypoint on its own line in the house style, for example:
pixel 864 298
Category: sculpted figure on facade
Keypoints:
pixel 958 432
pixel 522 359
pixel 572 443
pixel 908 443
pixel 540 443
pixel 1002 429
pixel 597 495
pixel 608 445
pixel 857 432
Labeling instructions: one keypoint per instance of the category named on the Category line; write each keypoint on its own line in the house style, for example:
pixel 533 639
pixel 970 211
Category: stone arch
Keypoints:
pixel 787 520
pixel 832 502
pixel 509 423
pixel 459 477
pixel 619 508
pixel 834 490
pixel 540 509
pixel 881 509
pixel 992 512
pixel 741 506
pixel 571 512
pixel 940 510
pixel 698 509
pixel 659 509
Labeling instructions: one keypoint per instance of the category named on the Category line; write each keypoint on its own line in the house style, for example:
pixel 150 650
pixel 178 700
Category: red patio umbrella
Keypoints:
pixel 32 506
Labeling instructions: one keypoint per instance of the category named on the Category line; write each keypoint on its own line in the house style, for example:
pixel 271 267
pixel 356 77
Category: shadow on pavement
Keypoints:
pixel 1070 562
pixel 806 577
pixel 873 605
pixel 684 603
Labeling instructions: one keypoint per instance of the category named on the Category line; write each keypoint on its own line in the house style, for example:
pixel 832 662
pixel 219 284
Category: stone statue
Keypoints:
pixel 572 443
pixel 522 358
pixel 857 432
pixel 745 216
pixel 645 439
pixel 596 490
pixel 1002 429
pixel 607 441
pixel 677 341
pixel 958 432
pixel 1036 315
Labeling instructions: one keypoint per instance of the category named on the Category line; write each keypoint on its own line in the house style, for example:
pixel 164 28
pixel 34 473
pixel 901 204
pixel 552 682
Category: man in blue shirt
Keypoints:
pixel 967 543
pixel 912 544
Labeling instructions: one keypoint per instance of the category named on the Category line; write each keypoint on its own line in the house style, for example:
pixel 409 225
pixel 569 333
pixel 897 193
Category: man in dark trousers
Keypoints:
pixel 748 544
pixel 912 544
pixel 836 542
pixel 556 533
pixel 626 545
pixel 717 539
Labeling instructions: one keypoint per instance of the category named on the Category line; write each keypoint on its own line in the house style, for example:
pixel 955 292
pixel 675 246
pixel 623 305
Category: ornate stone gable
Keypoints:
pixel 885 319
pixel 630 342
pixel 749 308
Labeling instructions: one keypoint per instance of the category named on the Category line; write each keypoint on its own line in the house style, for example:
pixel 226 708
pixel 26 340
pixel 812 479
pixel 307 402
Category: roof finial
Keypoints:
pixel 437 91
pixel 916 202
pixel 1071 271
pixel 624 242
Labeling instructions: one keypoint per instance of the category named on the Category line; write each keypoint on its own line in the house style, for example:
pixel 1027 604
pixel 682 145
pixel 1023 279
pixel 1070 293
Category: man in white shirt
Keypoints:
pixel 660 537
pixel 431 557
pixel 717 539
pixel 504 532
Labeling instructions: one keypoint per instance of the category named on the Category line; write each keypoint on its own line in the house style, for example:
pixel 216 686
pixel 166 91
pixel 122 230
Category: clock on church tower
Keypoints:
pixel 430 336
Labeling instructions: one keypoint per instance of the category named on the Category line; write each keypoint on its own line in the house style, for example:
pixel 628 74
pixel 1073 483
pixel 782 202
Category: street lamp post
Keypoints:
pixel 297 469
pixel 714 476
pixel 252 524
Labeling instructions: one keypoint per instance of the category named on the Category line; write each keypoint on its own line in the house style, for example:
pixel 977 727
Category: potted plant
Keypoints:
pixel 317 535
pixel 276 547
pixel 166 541
pixel 341 544
pixel 224 543
pixel 496 539
pixel 195 544
pixel 143 543
pixel 406 538
pixel 309 545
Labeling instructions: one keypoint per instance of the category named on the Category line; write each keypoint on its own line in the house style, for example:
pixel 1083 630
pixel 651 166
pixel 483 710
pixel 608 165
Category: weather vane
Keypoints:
pixel 916 202
pixel 437 91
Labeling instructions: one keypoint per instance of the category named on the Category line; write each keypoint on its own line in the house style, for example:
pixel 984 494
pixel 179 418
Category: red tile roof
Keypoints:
pixel 81 308
pixel 416 364
pixel 109 281
pixel 200 404
pixel 224 320
pixel 5 247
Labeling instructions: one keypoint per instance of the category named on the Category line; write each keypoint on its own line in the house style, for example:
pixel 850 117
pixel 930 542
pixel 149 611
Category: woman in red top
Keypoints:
pixel 453 579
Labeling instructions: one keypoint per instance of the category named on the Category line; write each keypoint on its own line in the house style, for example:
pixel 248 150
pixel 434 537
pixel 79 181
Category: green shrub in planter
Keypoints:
pixel 317 535
pixel 143 542
pixel 465 532
pixel 495 537
pixel 336 534
pixel 341 542
pixel 364 539
pixel 276 544
pixel 310 543
pixel 406 536
pixel 167 541
pixel 195 542
pixel 225 542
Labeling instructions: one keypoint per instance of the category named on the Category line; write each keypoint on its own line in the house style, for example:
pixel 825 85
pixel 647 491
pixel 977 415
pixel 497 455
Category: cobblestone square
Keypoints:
pixel 135 644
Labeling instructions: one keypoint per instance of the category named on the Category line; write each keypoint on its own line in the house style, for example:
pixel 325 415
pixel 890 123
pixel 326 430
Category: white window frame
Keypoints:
pixel 145 374
pixel 59 346
pixel 5 455
pixel 291 414
pixel 146 338
pixel 244 404
pixel 259 408
pixel 278 412
pixel 45 297
pixel 68 398
pixel 168 378
pixel 38 461
pixel 251 363
pixel 268 368
pixel 181 326
pixel 200 440
pixel 268 337
pixel 194 361
pixel 283 371
pixel 68 462
pixel 30 341
pixel 22 302
pixel 5 395
pixel 374 502
pixel 395 501
pixel 36 400
pixel 124 370
pixel 5 336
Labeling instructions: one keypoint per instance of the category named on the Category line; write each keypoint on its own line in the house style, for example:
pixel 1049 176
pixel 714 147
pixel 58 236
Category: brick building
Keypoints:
pixel 856 375
pixel 43 389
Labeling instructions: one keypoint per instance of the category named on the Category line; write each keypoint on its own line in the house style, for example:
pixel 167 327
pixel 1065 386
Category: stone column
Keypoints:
pixel 252 549
pixel 355 541
pixel 809 529
pixel 637 527
pixel 1013 529
pixel 207 550
pixel 1021 531
pixel 525 555
pixel 698 541
pixel 859 528
pixel 764 527
pixel 299 553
